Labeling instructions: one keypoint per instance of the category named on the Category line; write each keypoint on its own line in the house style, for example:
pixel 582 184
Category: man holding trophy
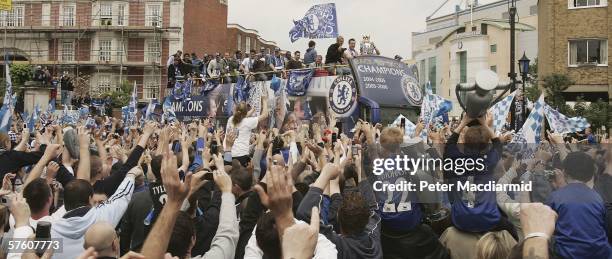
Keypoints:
pixel 367 47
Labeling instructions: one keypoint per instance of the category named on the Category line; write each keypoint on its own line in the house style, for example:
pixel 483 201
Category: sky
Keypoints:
pixel 390 23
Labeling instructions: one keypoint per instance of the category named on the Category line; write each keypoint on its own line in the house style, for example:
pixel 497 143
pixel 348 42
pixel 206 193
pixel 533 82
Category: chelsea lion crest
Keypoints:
pixel 411 89
pixel 343 96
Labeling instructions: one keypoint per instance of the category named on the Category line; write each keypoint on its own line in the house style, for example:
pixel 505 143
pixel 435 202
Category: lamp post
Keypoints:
pixel 515 120
pixel 524 69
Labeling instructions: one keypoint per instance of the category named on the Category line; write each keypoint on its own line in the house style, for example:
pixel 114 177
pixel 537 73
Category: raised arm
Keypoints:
pixel 157 242
pixel 84 170
pixel 264 107
pixel 25 135
pixel 51 152
pixel 226 239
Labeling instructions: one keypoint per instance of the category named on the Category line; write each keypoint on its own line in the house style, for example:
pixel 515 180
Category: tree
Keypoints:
pixel 554 85
pixel 20 73
pixel 122 96
pixel 599 114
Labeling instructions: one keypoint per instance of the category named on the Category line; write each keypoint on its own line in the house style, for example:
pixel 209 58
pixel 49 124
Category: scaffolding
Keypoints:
pixel 88 44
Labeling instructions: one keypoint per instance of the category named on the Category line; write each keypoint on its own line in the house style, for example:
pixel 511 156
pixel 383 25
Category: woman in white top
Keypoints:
pixel 244 127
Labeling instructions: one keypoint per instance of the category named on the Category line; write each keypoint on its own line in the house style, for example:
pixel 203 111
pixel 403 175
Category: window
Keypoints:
pixel 67 51
pixel 248 43
pixel 462 56
pixel 432 73
pixel 121 15
pixel 106 14
pixel 587 3
pixel 105 84
pixel 494 48
pixel 239 40
pixel 121 51
pixel 422 69
pixel 533 10
pixel 153 52
pixel 588 52
pixel 151 90
pixel 484 28
pixel 14 18
pixel 154 15
pixel 494 69
pixel 68 15
pixel 106 47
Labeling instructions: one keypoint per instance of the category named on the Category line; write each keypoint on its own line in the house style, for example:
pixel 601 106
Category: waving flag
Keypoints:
pixel 318 23
pixel 408 129
pixel 69 117
pixel 531 130
pixel 83 112
pixel 242 90
pixel 307 110
pixel 131 119
pixel 99 105
pixel 169 115
pixel 6 112
pixel 298 82
pixel 209 85
pixel 500 112
pixel 559 123
pixel 430 109
pixel 33 118
pixel 150 109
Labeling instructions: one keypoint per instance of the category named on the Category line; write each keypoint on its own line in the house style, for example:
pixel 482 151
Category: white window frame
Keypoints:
pixel 153 53
pixel 248 43
pixel 604 56
pixel 106 13
pixel 67 55
pixel 105 53
pixel 105 83
pixel 150 90
pixel 13 18
pixel 121 9
pixel 154 14
pixel 602 3
pixel 68 18
pixel 239 42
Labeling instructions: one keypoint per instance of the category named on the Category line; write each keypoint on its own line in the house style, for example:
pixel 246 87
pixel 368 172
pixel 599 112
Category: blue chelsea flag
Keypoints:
pixel 319 22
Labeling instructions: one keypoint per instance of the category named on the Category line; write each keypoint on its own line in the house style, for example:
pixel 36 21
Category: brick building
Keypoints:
pixel 240 38
pixel 109 42
pixel 574 40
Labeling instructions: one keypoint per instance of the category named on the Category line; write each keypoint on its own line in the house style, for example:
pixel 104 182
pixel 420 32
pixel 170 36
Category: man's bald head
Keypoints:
pixel 101 236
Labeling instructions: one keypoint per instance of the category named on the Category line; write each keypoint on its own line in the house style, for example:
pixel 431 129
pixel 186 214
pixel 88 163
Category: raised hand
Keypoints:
pixel 176 190
pixel 300 240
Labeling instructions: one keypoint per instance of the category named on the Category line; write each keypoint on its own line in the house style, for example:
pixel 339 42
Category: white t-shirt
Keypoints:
pixel 247 63
pixel 245 127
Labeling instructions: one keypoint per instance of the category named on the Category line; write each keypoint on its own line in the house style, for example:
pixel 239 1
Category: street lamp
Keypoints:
pixel 524 69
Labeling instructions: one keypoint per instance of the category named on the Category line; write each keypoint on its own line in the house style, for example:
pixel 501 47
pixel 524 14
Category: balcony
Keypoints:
pixel 80 23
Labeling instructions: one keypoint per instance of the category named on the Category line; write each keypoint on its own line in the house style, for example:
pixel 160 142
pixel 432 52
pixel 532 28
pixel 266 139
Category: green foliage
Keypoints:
pixel 20 73
pixel 121 97
pixel 533 92
pixel 554 85
pixel 599 114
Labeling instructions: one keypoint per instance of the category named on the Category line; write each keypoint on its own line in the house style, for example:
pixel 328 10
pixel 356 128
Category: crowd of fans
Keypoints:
pixel 298 190
pixel 225 67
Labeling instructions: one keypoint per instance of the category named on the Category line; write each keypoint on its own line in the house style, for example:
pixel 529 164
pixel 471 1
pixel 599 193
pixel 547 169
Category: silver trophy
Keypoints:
pixel 367 47
pixel 477 98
